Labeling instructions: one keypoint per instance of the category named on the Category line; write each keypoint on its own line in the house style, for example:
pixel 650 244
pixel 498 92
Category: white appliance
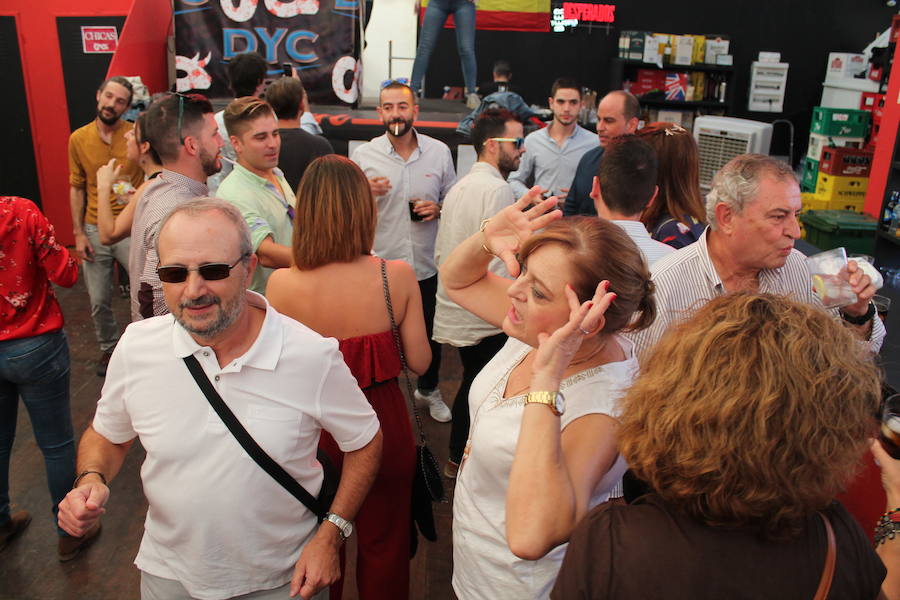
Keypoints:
pixel 720 139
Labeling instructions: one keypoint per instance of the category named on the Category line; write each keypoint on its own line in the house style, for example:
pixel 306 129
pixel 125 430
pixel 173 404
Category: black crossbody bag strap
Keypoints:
pixel 266 462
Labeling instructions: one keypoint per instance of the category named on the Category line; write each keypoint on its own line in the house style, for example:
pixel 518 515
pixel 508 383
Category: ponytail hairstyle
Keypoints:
pixel 598 250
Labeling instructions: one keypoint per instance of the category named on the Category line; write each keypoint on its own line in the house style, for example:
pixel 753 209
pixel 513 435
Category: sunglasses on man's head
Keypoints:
pixel 401 80
pixel 209 271
pixel 519 142
pixel 181 98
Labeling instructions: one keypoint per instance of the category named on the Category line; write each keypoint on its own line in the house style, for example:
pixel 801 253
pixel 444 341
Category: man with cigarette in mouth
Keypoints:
pixel 410 173
pixel 257 187
pixel 183 131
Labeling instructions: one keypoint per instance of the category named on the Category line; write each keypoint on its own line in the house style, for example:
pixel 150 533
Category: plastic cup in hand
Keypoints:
pixel 413 202
pixel 860 257
pixel 122 189
pixel 829 275
pixel 889 435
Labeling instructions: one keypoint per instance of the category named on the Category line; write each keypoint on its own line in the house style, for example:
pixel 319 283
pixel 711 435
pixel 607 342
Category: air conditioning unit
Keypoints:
pixel 720 139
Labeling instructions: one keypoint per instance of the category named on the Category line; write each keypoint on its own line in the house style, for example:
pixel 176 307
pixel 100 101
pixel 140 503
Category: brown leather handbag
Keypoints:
pixel 830 558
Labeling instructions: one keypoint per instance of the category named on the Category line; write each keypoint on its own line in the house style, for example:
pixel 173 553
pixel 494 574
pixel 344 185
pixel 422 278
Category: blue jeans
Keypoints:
pixel 37 370
pixel 98 277
pixel 436 14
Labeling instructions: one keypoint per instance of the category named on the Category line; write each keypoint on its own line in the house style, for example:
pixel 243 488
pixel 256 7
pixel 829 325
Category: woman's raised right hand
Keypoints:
pixel 107 174
pixel 506 231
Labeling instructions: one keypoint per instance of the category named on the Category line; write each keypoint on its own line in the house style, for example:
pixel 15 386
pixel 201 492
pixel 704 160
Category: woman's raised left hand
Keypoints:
pixel 506 231
pixel 556 351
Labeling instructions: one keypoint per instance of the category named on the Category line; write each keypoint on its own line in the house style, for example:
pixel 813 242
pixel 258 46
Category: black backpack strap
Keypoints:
pixel 247 442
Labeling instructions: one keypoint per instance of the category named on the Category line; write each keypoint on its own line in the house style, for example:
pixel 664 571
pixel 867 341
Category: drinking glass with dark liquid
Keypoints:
pixel 889 434
pixel 412 213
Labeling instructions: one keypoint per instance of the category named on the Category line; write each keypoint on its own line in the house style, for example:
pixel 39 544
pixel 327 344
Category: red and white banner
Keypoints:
pixel 99 39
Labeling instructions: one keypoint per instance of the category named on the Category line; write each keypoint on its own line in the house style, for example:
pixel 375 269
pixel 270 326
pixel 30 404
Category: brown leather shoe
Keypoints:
pixel 18 521
pixel 69 547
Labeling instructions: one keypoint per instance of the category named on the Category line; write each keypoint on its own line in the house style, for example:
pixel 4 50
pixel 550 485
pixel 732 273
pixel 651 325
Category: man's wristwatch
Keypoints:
pixel 345 527
pixel 862 319
pixel 555 400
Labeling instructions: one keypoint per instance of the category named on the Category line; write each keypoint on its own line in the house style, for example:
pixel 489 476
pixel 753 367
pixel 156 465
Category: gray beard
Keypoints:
pixel 227 316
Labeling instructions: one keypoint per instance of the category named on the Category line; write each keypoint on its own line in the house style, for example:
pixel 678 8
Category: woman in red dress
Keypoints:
pixel 336 288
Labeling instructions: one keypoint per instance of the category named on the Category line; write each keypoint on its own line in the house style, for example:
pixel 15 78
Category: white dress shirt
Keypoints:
pixel 553 166
pixel 428 174
pixel 480 195
pixel 650 248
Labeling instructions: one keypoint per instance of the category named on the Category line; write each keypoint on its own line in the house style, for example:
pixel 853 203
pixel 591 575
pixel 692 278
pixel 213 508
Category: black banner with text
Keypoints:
pixel 320 38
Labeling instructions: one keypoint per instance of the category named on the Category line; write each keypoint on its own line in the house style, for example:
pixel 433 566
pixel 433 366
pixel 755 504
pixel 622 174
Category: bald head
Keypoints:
pixel 617 114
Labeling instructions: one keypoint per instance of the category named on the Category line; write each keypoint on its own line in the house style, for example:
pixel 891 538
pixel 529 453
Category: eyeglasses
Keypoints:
pixel 519 142
pixel 209 271
pixel 400 80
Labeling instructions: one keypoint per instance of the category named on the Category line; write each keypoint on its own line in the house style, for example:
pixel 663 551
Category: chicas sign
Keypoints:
pixel 318 37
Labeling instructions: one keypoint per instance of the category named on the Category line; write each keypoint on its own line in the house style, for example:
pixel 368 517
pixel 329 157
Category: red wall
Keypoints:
pixel 45 90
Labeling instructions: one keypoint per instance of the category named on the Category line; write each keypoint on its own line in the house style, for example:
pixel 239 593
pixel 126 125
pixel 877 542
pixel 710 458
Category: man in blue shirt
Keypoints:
pixel 617 114
pixel 552 153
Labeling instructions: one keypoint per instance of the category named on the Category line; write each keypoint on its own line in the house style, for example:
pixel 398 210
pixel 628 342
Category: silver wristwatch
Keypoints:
pixel 345 527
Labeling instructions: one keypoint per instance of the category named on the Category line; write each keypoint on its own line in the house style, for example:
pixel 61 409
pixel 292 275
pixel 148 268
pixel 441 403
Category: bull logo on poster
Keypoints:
pixel 319 37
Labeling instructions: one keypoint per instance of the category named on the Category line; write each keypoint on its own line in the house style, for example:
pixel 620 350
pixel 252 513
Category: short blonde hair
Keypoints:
pixel 241 111
pixel 754 412
pixel 336 216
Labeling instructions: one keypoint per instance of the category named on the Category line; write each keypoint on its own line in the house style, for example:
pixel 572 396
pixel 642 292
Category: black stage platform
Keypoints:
pixel 437 118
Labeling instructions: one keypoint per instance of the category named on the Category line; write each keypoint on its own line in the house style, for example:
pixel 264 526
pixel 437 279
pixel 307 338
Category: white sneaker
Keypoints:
pixel 473 100
pixel 439 411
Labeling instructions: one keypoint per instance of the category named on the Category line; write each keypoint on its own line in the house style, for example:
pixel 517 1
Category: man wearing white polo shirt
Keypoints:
pixel 410 173
pixel 218 526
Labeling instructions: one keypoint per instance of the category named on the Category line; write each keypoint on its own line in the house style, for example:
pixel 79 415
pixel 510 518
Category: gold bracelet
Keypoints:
pixel 484 237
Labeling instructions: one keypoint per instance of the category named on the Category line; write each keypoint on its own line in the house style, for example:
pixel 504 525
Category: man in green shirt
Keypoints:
pixel 257 187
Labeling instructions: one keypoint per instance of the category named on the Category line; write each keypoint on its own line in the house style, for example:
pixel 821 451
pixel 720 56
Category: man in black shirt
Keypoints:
pixel 502 73
pixel 298 147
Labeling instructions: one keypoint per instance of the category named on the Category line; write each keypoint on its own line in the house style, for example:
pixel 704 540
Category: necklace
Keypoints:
pixel 574 363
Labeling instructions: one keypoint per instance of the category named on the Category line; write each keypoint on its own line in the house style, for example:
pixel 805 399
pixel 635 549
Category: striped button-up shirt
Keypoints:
pixel 687 279
pixel 166 192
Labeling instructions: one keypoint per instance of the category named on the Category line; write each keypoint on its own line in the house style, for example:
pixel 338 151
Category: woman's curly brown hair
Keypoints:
pixel 754 412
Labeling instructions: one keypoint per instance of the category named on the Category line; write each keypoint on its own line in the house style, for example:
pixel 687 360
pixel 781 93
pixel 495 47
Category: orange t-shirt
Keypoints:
pixel 88 152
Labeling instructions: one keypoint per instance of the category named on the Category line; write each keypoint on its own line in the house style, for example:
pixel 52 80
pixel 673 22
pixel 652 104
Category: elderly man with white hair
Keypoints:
pixel 752 212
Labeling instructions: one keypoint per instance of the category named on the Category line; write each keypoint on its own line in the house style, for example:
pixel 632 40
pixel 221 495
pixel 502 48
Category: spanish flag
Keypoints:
pixel 507 15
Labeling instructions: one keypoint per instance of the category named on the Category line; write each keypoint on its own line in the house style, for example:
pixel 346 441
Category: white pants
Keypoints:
pixel 158 588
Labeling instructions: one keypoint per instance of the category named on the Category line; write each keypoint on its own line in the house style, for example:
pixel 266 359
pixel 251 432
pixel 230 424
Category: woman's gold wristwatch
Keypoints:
pixel 555 400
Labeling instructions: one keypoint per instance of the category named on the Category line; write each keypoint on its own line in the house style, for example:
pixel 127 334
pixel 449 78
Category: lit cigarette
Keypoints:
pixel 226 159
pixel 396 128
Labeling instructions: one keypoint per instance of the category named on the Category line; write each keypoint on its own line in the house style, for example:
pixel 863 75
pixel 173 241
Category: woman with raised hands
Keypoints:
pixel 111 227
pixel 339 289
pixel 541 449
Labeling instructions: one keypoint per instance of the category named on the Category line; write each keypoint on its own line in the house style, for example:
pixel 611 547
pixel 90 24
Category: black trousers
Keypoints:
pixel 428 381
pixel 473 358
